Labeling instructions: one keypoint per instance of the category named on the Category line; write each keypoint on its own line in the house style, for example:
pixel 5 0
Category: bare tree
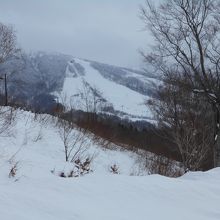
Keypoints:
pixel 187 41
pixel 90 98
pixel 8 48
pixel 74 141
pixel 7 42
pixel 187 119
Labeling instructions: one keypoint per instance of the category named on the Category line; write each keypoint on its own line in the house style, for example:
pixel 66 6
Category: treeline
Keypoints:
pixel 132 135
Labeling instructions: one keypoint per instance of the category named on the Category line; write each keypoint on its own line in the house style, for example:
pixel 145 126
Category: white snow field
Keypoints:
pixel 37 194
pixel 120 97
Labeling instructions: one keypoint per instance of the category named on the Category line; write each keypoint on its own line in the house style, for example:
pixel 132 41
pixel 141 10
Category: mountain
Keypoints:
pixel 41 79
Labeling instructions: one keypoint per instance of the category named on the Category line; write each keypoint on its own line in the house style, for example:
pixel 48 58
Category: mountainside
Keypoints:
pixel 41 78
pixel 32 183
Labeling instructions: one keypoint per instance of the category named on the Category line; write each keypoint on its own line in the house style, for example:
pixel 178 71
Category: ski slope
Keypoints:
pixel 37 193
pixel 120 97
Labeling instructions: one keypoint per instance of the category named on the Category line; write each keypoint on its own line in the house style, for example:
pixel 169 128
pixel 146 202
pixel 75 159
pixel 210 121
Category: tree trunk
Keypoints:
pixel 216 150
pixel 217 153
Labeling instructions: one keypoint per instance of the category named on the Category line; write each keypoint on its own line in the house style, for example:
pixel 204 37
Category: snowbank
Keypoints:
pixel 36 193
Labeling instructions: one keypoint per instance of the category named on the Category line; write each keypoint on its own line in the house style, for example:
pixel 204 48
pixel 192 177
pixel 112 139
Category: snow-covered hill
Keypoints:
pixel 40 78
pixel 117 97
pixel 34 147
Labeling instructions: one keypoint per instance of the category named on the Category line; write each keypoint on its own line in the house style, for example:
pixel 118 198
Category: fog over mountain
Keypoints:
pixel 107 31
pixel 41 78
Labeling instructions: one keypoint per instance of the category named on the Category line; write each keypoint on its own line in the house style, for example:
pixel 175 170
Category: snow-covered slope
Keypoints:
pixel 38 77
pixel 37 193
pixel 119 97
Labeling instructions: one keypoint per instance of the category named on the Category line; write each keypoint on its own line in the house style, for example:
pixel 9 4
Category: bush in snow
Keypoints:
pixel 161 165
pixel 7 120
pixel 80 168
pixel 13 170
pixel 114 169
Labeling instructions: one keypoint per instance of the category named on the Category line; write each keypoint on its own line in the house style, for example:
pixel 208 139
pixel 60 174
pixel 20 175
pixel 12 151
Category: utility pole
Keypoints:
pixel 6 91
pixel 6 88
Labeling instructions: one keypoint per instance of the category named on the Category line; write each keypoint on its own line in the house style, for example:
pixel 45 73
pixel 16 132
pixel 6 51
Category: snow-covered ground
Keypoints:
pixel 36 193
pixel 120 97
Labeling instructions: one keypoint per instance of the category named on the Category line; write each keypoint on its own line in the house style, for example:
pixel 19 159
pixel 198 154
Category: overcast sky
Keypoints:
pixel 109 31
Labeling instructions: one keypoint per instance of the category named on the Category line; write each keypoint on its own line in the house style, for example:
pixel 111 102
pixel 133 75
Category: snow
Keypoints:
pixel 122 98
pixel 36 193
pixel 110 197
pixel 71 87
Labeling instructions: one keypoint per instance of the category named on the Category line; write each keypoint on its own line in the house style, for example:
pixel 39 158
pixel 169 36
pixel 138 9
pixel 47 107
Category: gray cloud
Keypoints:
pixel 106 31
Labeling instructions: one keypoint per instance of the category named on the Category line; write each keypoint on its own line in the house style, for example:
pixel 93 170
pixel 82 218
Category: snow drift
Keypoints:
pixel 37 193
